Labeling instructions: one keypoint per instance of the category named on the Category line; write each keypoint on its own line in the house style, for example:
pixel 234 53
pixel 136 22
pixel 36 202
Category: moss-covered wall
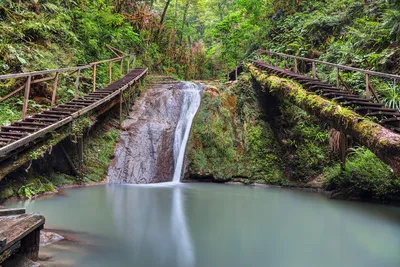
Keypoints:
pixel 241 133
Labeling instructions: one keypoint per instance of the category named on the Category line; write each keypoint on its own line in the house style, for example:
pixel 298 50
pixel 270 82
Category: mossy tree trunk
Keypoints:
pixel 382 141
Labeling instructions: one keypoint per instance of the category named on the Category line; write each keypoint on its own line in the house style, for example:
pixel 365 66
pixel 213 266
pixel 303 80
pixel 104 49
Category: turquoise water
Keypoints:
pixel 206 225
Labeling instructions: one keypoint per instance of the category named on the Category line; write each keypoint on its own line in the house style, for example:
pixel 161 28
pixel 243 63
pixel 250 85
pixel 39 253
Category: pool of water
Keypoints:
pixel 207 225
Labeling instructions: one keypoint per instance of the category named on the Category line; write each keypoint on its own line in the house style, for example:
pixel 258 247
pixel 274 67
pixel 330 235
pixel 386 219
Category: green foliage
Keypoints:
pixel 35 186
pixel 364 176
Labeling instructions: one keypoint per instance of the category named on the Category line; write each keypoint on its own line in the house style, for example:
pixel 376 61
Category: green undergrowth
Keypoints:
pixel 364 176
pixel 98 152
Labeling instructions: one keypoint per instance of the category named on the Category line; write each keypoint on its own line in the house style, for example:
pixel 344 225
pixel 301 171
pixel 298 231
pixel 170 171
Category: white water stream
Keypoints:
pixel 191 102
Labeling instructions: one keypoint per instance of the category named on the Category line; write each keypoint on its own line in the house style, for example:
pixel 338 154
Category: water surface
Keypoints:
pixel 207 225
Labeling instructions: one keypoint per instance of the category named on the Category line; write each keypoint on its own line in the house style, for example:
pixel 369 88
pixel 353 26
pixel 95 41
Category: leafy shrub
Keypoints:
pixel 364 175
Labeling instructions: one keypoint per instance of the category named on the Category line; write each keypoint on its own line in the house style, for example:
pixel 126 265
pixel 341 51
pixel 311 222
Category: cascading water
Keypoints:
pixel 190 104
pixel 151 147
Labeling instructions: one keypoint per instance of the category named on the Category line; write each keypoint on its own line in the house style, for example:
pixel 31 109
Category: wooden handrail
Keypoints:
pixel 43 72
pixel 343 67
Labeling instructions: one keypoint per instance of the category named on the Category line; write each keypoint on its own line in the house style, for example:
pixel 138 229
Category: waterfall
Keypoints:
pixel 190 104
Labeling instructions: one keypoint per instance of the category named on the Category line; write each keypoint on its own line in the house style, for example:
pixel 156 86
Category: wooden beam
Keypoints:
pixel 120 109
pixel 77 83
pixel 26 97
pixel 94 76
pixel 9 212
pixel 80 157
pixel 121 64
pixel 42 72
pixel 374 92
pixel 110 71
pixel 23 86
pixel 367 91
pixel 314 70
pixel 345 85
pixel 55 85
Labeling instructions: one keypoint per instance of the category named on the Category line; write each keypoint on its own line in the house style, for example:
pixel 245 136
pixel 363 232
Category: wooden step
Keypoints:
pixel 365 110
pixel 16 134
pixel 26 123
pixel 49 116
pixel 46 112
pixel 361 103
pixel 350 98
pixel 19 128
pixel 51 120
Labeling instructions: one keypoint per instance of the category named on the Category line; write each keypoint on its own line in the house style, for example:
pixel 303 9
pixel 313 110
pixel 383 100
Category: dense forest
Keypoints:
pixel 204 40
pixel 201 39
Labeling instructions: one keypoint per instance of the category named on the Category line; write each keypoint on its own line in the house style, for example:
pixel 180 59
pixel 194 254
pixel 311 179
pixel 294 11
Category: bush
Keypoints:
pixel 364 176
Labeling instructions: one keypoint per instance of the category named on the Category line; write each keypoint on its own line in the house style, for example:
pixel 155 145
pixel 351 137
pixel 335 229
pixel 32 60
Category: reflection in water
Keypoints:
pixel 207 225
pixel 140 220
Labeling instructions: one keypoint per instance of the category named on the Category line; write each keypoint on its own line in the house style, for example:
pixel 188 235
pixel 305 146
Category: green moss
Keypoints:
pixel 364 176
pixel 98 152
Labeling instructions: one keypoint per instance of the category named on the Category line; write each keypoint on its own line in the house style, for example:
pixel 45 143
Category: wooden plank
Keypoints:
pixel 41 72
pixel 42 119
pixel 53 96
pixel 94 76
pixel 26 96
pixel 110 71
pixel 12 134
pixel 8 212
pixel 367 91
pixel 77 84
pixel 18 128
pixel 374 92
pixel 26 123
pixel 16 227
pixel 69 161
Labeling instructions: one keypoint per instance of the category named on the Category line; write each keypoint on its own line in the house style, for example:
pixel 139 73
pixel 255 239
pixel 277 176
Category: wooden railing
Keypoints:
pixel 274 58
pixel 78 69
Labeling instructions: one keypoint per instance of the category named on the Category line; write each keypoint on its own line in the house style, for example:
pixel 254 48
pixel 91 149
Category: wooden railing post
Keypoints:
pixel 120 109
pixel 78 74
pixel 367 92
pixel 284 63
pixel 121 65
pixel 55 85
pixel 110 71
pixel 269 57
pixel 94 76
pixel 296 69
pixel 26 96
pixel 127 71
pixel 276 61
pixel 314 70
pixel 337 77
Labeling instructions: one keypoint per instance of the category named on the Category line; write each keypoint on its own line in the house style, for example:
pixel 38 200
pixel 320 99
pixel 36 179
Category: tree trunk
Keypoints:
pixel 184 22
pixel 382 141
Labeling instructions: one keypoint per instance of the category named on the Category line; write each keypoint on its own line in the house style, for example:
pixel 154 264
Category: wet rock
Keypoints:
pixel 144 153
pixel 47 238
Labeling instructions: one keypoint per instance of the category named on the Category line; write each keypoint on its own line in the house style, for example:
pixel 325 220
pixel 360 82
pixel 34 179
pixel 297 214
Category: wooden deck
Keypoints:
pixel 19 233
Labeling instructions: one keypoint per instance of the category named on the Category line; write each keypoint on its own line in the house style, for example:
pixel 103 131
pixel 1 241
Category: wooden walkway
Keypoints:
pixel 387 117
pixel 19 232
pixel 22 133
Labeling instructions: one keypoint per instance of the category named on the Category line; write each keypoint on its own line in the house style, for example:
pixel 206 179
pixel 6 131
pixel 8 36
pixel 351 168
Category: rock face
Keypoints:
pixel 144 152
